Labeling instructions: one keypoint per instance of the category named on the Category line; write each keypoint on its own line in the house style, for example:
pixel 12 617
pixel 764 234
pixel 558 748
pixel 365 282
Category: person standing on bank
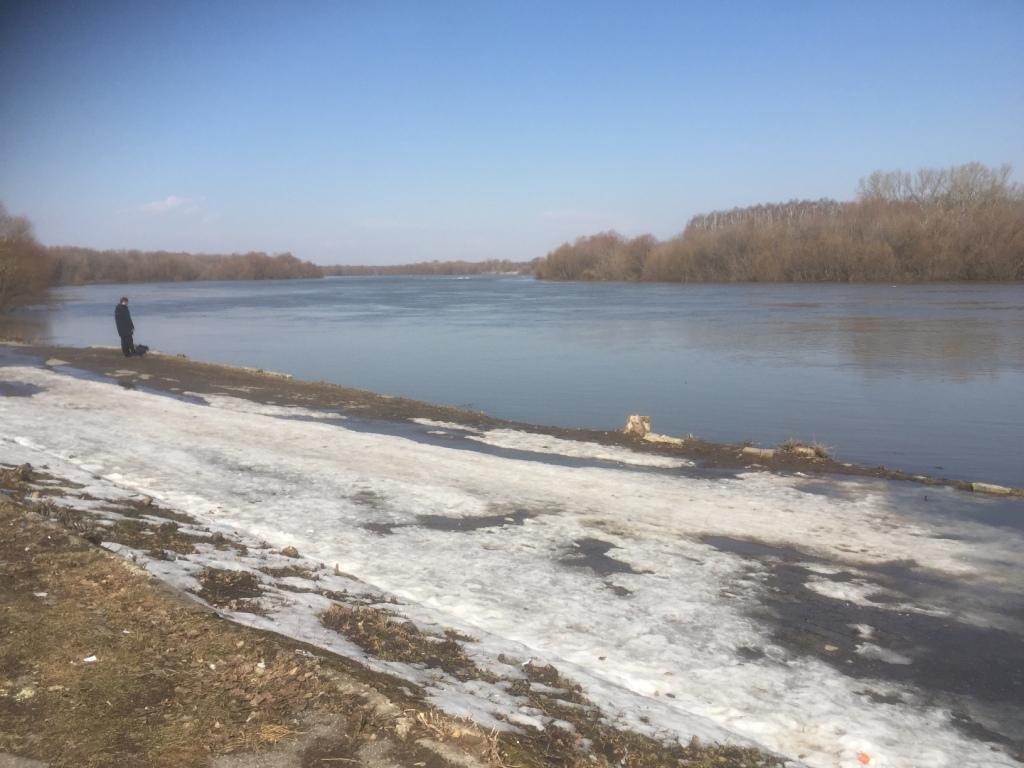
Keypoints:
pixel 125 327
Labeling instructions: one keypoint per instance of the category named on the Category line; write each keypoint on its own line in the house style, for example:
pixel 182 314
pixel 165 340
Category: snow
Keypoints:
pixel 239 405
pixel 536 443
pixel 518 440
pixel 872 651
pixel 662 659
pixel 858 591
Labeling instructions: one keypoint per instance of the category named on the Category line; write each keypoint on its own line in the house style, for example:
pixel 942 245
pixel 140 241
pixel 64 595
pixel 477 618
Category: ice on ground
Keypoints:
pixel 865 593
pixel 864 630
pixel 856 591
pixel 445 425
pixel 537 443
pixel 240 405
pixel 533 442
pixel 668 653
pixel 872 651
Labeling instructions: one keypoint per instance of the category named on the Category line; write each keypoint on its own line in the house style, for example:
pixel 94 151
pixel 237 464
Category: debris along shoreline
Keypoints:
pixel 104 665
pixel 820 617
pixel 176 374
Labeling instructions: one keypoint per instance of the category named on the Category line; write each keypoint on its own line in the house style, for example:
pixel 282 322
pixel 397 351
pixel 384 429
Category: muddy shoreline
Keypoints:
pixel 177 375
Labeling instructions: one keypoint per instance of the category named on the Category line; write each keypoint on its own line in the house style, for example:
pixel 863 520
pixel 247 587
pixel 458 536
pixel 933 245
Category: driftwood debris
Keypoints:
pixel 640 426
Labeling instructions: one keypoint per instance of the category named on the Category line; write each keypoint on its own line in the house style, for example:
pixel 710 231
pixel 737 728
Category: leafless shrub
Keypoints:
pixel 24 264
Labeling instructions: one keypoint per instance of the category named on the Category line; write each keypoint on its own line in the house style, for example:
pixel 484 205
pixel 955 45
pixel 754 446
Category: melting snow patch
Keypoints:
pixel 872 651
pixel 857 592
pixel 864 630
pixel 864 593
pixel 240 405
pixel 822 568
pixel 537 443
pixel 445 425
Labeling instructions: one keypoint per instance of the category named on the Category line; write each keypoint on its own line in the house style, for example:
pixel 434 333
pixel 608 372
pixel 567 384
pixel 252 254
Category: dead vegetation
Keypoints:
pixel 586 739
pixel 233 590
pixel 101 665
pixel 14 477
pixel 25 265
pixel 594 744
pixel 391 639
pixel 289 571
pixel 112 670
pixel 814 450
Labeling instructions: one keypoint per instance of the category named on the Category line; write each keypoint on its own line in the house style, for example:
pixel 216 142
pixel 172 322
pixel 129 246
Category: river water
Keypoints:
pixel 924 378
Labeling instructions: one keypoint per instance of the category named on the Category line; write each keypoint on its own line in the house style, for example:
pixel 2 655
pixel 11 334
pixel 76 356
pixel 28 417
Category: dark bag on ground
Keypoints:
pixel 141 350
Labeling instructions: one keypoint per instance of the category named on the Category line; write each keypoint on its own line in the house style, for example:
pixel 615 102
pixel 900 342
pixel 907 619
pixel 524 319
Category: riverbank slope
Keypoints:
pixel 821 617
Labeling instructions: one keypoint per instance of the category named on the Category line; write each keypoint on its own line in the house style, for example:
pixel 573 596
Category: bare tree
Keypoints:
pixel 24 264
pixel 959 223
pixel 78 266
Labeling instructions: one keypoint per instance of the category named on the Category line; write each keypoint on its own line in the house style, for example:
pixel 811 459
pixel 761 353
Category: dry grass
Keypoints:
pixel 233 590
pixel 813 450
pixel 290 571
pixel 593 742
pixel 174 685
pixel 171 683
pixel 390 639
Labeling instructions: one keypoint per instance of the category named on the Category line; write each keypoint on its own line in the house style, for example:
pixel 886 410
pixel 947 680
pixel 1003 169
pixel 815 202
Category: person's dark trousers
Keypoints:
pixel 127 345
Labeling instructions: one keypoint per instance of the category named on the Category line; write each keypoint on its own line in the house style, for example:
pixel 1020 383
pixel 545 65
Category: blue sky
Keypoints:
pixel 401 131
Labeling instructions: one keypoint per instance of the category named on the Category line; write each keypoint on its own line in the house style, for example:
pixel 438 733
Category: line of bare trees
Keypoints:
pixel 25 265
pixel 489 267
pixel 77 266
pixel 28 268
pixel 959 223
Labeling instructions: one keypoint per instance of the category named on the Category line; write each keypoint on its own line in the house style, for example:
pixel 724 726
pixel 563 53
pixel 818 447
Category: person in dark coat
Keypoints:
pixel 125 327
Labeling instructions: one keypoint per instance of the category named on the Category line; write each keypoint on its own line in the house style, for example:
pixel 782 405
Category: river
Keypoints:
pixel 923 378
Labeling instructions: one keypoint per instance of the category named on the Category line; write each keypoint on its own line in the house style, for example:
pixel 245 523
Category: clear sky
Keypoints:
pixel 389 132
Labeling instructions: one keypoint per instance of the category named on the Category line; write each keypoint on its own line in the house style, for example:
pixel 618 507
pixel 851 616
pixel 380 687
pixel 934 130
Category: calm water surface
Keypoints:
pixel 923 378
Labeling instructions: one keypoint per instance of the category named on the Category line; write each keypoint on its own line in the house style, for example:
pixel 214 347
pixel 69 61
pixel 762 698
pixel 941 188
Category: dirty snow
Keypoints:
pixel 532 442
pixel 656 648
pixel 536 443
pixel 240 405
